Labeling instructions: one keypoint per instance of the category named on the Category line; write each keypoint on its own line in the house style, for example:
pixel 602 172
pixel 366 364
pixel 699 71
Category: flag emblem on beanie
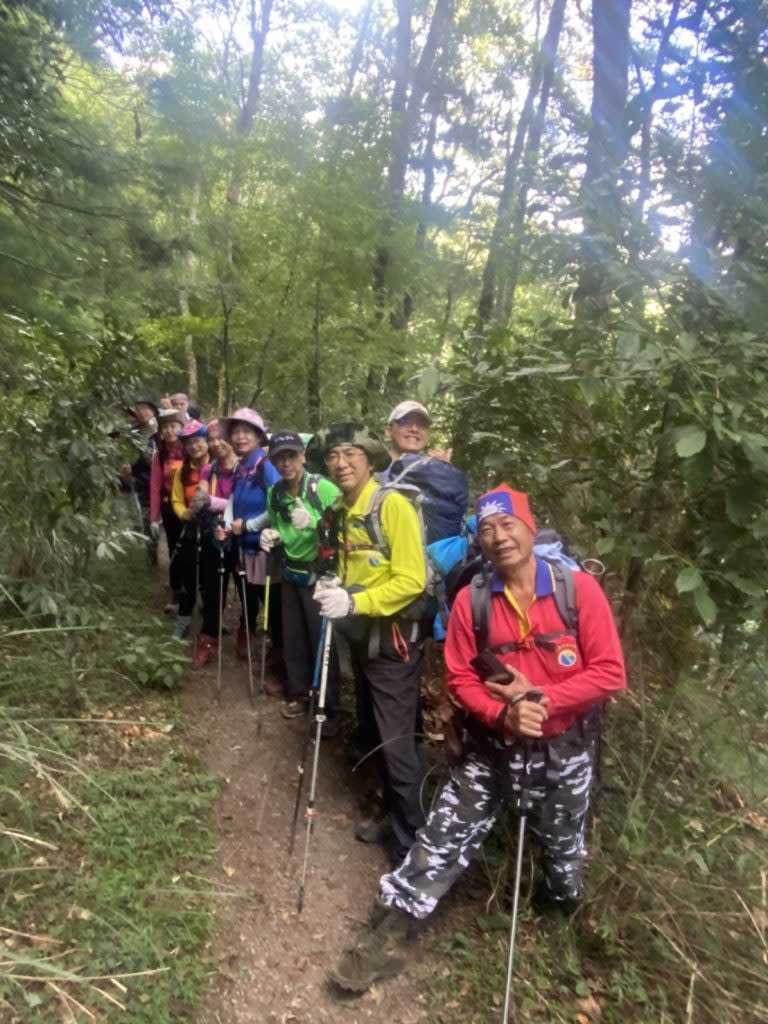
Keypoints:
pixel 502 500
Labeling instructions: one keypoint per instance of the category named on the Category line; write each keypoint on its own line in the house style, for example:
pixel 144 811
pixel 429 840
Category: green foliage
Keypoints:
pixel 105 837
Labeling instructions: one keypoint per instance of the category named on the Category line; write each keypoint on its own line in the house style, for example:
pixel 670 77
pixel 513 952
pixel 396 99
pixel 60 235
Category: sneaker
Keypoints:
pixel 294 709
pixel 374 829
pixel 183 626
pixel 207 651
pixel 381 951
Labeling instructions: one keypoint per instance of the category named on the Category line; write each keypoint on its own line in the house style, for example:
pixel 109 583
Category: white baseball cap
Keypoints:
pixel 404 408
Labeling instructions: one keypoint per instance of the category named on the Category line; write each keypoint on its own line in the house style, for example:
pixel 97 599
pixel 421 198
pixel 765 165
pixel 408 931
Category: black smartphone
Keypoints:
pixel 490 669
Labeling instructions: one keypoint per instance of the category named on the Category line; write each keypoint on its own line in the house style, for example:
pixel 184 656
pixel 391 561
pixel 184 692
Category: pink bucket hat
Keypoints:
pixel 247 416
pixel 194 428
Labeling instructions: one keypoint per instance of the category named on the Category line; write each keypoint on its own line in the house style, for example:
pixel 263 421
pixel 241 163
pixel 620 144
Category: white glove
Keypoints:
pixel 269 539
pixel 300 518
pixel 334 601
pixel 324 583
pixel 154 531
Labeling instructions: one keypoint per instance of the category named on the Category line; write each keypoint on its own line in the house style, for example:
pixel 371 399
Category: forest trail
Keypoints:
pixel 272 962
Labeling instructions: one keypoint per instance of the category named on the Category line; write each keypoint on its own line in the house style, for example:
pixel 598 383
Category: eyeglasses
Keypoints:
pixel 347 454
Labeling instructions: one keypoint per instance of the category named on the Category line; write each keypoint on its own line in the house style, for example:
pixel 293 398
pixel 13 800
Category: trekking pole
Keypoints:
pixel 523 804
pixel 307 737
pixel 319 719
pixel 179 542
pixel 244 584
pixel 265 623
pixel 195 609
pixel 221 621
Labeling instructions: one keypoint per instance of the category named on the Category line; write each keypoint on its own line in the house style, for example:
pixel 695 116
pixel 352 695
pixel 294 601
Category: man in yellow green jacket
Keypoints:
pixel 375 601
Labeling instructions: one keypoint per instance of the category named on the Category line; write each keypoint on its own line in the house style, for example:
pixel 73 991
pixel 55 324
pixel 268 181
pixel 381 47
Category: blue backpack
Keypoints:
pixel 444 492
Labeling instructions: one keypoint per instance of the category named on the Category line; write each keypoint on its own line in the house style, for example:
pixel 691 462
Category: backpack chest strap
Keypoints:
pixel 546 641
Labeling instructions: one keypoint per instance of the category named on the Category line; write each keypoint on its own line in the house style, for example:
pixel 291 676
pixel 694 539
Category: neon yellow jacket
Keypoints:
pixel 390 583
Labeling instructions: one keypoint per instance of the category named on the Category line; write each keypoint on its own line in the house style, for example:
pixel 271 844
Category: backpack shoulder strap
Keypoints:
pixel 373 525
pixel 275 494
pixel 312 495
pixel 480 603
pixel 565 595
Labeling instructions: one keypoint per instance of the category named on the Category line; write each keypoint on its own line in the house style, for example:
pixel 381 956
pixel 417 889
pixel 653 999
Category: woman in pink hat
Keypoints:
pixel 217 478
pixel 254 475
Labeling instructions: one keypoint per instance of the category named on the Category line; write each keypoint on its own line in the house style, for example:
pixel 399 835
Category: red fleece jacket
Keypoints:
pixel 574 675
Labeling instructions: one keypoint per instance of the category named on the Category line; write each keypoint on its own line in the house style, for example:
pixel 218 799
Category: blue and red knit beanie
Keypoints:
pixel 504 500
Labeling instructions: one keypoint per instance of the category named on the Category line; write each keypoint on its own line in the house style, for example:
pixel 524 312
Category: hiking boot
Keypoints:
pixel 182 628
pixel 207 651
pixel 545 902
pixel 380 952
pixel 375 829
pixel 294 709
pixel 241 644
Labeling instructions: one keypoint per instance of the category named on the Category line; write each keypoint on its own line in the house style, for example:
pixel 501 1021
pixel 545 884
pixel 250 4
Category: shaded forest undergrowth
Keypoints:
pixel 105 908
pixel 106 839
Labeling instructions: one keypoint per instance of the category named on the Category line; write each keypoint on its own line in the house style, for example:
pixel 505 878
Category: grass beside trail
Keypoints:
pixel 104 828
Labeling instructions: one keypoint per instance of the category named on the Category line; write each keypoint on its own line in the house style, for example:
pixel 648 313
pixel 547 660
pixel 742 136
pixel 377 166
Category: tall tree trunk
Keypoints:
pixel 314 406
pixel 409 91
pixel 259 29
pixel 186 274
pixel 501 226
pixel 606 150
pixel 649 98
pixel 530 161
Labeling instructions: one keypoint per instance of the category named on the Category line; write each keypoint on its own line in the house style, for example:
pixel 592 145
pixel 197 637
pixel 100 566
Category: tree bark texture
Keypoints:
pixel 607 147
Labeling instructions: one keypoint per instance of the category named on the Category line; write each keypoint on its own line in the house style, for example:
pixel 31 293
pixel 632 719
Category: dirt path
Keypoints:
pixel 273 961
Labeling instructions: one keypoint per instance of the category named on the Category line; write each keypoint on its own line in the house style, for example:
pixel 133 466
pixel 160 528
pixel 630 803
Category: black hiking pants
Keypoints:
pixel 186 564
pixel 301 637
pixel 210 582
pixel 173 527
pixel 387 692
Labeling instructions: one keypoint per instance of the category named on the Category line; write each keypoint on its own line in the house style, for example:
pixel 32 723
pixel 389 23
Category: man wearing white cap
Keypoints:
pixel 408 432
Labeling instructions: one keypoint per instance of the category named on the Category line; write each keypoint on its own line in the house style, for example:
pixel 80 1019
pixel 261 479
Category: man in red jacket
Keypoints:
pixel 530 729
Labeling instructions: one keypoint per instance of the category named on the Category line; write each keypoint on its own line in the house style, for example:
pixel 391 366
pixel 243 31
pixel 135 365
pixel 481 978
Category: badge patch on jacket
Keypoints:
pixel 567 657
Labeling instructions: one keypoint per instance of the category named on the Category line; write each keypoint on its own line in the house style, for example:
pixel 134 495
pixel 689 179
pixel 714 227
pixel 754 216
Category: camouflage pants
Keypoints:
pixel 467 809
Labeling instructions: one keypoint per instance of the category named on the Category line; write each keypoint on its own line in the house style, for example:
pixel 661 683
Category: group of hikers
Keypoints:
pixel 368 539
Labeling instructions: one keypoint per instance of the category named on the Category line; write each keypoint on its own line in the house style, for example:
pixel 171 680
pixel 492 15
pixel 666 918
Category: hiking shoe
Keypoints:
pixel 294 709
pixel 374 829
pixel 182 627
pixel 380 952
pixel 207 651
